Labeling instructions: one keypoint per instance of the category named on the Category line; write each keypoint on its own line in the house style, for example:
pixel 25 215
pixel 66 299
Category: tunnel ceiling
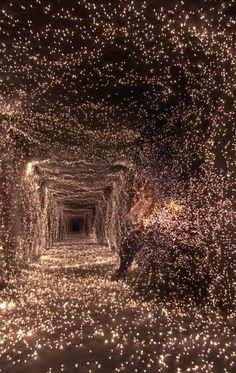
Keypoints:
pixel 80 179
pixel 109 75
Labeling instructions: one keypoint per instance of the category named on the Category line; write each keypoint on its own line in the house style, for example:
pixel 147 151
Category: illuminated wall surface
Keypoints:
pixel 98 99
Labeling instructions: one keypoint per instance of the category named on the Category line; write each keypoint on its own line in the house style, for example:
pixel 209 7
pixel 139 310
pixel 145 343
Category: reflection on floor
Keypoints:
pixel 64 314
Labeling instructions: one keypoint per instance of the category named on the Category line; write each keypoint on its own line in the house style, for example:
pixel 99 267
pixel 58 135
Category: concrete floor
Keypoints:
pixel 64 314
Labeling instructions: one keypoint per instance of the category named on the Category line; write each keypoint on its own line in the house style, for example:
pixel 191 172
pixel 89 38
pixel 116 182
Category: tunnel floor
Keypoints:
pixel 65 314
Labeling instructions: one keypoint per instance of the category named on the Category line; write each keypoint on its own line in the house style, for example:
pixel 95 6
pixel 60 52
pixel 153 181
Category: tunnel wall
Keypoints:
pixel 10 225
pixel 34 216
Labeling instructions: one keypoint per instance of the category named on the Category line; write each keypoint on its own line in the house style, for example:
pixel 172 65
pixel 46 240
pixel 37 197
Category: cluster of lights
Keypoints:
pixel 85 87
pixel 66 305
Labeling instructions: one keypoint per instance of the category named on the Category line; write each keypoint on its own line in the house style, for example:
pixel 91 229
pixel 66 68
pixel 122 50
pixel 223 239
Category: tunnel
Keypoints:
pixel 116 186
pixel 76 225
pixel 79 226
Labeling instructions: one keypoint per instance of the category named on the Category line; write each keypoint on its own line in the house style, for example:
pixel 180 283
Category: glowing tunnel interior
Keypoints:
pixel 78 201
pixel 117 164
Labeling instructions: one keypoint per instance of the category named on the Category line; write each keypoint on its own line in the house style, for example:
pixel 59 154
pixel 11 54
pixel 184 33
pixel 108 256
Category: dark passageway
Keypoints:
pixel 77 226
